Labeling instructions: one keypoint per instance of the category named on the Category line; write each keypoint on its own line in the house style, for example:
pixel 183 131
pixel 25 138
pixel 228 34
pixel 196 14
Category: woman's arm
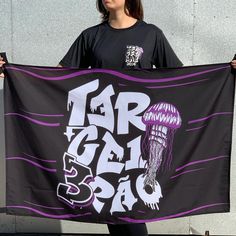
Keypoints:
pixel 1 64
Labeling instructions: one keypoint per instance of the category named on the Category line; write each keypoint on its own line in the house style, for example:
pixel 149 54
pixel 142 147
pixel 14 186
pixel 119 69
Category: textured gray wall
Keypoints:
pixel 39 32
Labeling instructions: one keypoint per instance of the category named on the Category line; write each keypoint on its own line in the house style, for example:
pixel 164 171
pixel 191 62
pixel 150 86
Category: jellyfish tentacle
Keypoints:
pixel 154 163
pixel 170 145
pixel 161 120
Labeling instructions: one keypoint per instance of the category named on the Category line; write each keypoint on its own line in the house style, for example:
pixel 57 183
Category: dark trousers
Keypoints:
pixel 128 230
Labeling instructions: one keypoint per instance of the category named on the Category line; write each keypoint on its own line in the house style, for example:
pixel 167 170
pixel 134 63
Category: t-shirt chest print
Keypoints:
pixel 133 55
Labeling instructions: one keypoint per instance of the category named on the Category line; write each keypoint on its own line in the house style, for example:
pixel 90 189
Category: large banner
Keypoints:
pixel 118 146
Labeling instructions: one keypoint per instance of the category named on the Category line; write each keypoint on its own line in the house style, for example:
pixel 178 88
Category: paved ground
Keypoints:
pixel 43 234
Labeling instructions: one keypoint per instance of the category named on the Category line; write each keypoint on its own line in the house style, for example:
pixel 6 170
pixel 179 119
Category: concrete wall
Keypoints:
pixel 39 32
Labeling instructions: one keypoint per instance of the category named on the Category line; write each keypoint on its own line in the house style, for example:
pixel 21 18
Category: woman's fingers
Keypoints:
pixel 1 63
pixel 233 64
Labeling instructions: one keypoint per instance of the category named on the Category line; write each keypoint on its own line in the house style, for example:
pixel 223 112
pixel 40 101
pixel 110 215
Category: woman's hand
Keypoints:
pixel 233 64
pixel 1 64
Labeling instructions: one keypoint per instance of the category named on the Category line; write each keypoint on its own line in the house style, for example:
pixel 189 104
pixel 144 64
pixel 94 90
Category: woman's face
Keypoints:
pixel 114 5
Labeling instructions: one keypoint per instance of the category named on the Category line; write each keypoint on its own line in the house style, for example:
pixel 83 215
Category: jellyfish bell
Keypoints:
pixel 161 120
pixel 162 114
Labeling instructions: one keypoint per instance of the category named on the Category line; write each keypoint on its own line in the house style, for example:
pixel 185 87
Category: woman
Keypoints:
pixel 122 40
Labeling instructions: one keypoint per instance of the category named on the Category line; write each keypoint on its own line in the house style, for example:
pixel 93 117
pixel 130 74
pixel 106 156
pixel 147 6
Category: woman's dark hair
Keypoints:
pixel 133 8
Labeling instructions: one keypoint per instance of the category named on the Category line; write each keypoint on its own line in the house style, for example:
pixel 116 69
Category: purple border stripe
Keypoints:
pixel 65 216
pixel 44 115
pixel 47 207
pixel 208 117
pixel 176 85
pixel 33 120
pixel 127 219
pixel 200 161
pixel 115 73
pixel 49 161
pixel 186 172
pixel 197 128
pixel 31 162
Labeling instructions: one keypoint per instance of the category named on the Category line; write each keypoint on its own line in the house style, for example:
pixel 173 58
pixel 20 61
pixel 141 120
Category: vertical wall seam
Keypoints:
pixel 193 54
pixel 12 47
pixel 189 225
pixel 12 59
pixel 193 30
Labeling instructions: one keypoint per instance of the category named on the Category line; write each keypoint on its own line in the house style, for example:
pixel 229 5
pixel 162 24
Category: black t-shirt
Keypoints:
pixel 139 46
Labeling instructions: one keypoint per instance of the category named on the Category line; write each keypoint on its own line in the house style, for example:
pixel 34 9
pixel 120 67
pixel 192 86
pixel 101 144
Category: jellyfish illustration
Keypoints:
pixel 161 120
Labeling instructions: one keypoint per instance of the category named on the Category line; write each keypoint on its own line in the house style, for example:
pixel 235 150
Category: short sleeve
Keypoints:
pixel 78 54
pixel 164 55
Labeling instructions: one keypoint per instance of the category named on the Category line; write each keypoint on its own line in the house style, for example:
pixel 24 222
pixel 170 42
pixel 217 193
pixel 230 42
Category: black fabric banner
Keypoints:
pixel 118 146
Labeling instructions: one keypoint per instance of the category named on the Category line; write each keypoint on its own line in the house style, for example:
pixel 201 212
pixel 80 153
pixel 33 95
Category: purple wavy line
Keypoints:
pixel 208 117
pixel 175 85
pixel 46 207
pixel 108 222
pixel 186 172
pixel 50 161
pixel 142 212
pixel 127 219
pixel 44 115
pixel 65 216
pixel 197 128
pixel 31 162
pixel 50 69
pixel 200 161
pixel 116 73
pixel 33 120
